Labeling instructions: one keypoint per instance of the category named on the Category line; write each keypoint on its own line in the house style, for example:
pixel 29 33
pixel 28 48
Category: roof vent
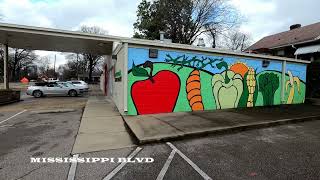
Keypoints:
pixel 295 26
pixel 161 36
pixel 201 43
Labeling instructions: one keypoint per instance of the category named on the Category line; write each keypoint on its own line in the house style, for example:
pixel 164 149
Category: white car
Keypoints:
pixel 80 84
pixel 45 88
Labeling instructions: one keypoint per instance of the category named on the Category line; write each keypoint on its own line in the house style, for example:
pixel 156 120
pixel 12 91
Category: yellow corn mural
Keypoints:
pixel 251 83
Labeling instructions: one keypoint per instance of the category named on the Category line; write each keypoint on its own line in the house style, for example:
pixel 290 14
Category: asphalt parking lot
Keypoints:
pixel 31 129
pixel 283 152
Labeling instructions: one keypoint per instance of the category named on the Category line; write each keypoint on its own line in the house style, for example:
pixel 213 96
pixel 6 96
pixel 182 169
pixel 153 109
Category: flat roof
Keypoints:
pixel 38 38
pixel 184 47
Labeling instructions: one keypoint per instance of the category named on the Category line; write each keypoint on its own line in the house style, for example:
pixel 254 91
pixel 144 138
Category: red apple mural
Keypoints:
pixel 158 93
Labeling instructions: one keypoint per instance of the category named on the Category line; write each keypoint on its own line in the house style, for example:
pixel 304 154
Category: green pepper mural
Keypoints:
pixel 227 87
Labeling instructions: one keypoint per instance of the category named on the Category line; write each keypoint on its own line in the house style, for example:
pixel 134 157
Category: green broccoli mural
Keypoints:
pixel 268 84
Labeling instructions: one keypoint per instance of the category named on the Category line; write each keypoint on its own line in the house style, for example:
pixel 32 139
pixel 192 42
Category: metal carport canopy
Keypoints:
pixel 36 38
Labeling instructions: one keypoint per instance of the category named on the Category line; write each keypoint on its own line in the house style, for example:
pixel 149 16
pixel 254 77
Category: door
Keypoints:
pixel 54 89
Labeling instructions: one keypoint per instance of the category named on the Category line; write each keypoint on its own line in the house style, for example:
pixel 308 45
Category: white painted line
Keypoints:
pixel 118 168
pixel 6 126
pixel 166 165
pixel 13 116
pixel 73 168
pixel 195 167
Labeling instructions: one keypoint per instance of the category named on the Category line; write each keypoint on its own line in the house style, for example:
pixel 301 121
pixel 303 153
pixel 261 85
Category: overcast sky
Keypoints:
pixel 263 17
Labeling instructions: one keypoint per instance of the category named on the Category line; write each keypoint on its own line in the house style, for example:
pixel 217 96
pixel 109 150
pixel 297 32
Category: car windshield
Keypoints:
pixel 76 82
pixel 39 84
pixel 53 85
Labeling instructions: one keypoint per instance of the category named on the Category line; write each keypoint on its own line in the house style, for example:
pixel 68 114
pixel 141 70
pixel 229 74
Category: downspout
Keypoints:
pixel 125 79
pixel 296 56
pixel 283 82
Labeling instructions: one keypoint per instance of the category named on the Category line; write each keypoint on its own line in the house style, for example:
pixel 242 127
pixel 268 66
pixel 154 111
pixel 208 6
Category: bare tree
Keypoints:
pixel 1 65
pixel 19 59
pixel 237 41
pixel 93 30
pixel 184 21
pixel 213 17
pixel 92 59
pixel 44 65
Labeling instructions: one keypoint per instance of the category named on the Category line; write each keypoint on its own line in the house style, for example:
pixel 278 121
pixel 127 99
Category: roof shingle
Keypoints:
pixel 302 34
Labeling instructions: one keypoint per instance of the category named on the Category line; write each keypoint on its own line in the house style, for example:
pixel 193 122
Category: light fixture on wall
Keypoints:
pixel 153 53
pixel 265 63
pixel 101 44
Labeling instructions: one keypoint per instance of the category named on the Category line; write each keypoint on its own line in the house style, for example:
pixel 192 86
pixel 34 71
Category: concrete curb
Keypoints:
pixel 218 130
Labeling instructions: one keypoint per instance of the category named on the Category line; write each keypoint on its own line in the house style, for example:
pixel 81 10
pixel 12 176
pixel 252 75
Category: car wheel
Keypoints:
pixel 37 94
pixel 73 93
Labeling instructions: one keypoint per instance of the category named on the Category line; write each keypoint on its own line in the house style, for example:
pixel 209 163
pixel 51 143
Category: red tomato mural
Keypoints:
pixel 157 94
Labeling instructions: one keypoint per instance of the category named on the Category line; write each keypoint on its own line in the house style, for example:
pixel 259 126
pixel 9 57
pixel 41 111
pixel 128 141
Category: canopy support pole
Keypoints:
pixel 5 66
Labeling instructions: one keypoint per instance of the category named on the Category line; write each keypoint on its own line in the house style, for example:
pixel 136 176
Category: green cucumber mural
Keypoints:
pixel 179 81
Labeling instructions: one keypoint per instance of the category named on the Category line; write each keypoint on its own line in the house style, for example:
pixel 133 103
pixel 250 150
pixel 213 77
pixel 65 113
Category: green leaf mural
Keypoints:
pixel 138 71
pixel 245 94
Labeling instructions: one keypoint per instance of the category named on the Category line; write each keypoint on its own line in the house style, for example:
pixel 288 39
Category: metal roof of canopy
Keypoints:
pixel 36 38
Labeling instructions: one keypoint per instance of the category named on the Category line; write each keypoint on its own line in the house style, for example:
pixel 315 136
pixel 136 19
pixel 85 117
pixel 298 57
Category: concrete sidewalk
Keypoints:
pixel 101 128
pixel 160 127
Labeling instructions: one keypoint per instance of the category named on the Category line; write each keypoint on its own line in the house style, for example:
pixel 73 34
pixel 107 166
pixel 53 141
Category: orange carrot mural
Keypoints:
pixel 193 88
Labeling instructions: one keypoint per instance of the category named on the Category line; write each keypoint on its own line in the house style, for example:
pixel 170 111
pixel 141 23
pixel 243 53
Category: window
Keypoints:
pixel 65 84
pixel 280 53
pixel 52 85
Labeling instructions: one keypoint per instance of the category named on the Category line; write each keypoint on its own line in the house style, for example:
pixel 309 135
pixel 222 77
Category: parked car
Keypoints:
pixel 45 88
pixel 81 84
pixel 52 80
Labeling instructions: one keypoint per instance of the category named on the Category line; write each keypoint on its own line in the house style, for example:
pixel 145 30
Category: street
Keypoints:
pixel 282 152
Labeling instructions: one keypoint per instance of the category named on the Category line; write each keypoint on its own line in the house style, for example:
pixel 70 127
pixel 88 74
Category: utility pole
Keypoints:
pixel 77 66
pixel 5 66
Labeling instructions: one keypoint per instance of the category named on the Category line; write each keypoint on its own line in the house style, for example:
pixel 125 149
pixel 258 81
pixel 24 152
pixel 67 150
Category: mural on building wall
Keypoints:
pixel 158 93
pixel 292 82
pixel 177 81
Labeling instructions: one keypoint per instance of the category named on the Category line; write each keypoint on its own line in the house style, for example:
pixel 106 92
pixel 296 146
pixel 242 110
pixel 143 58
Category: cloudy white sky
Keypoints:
pixel 263 17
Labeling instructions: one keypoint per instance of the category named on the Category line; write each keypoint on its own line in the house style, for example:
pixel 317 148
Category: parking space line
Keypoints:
pixel 13 116
pixel 166 165
pixel 73 168
pixel 3 126
pixel 118 168
pixel 192 164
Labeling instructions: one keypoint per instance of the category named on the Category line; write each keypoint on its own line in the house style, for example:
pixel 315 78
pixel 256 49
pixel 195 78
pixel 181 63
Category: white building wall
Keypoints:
pixel 118 86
